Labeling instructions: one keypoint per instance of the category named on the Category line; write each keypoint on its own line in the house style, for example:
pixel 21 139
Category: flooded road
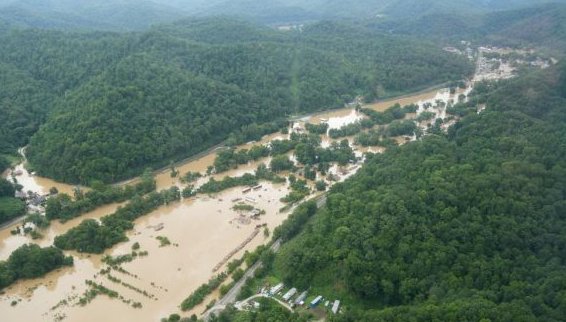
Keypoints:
pixel 404 100
pixel 202 231
pixel 37 184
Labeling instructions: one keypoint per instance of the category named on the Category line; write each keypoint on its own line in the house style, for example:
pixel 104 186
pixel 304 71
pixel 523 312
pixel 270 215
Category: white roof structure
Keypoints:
pixel 335 306
pixel 289 294
pixel 276 288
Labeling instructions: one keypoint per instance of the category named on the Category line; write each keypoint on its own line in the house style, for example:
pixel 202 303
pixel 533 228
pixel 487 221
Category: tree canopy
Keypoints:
pixel 29 261
pixel 109 105
pixel 458 227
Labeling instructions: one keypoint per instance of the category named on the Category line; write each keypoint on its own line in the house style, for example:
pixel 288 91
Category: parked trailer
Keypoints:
pixel 289 294
pixel 276 289
pixel 316 301
pixel 335 306
pixel 301 298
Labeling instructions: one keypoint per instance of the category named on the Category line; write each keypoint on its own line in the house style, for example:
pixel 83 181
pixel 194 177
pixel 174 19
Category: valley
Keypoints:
pixel 282 160
pixel 203 230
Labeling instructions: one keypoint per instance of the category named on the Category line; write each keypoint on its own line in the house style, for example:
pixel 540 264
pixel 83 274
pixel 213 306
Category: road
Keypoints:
pixel 239 305
pixel 230 297
pixel 14 221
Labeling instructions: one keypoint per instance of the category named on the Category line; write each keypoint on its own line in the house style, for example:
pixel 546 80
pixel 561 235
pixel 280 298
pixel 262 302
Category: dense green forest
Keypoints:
pixel 4 164
pixel 126 15
pixel 10 207
pixel 543 26
pixel 122 15
pixel 109 105
pixel 30 261
pixel 458 227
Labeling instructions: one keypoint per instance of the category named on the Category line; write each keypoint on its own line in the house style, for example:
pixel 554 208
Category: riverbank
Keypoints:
pixel 202 232
pixel 68 188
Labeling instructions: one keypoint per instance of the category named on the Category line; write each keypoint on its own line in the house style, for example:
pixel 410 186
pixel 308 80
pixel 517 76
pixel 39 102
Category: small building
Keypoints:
pixel 289 294
pixel 257 187
pixel 250 199
pixel 316 301
pixel 246 190
pixel 335 306
pixel 276 289
pixel 301 298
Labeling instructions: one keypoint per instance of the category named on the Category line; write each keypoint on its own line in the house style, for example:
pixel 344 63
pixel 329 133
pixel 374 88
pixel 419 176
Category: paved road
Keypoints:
pixel 230 297
pixel 14 221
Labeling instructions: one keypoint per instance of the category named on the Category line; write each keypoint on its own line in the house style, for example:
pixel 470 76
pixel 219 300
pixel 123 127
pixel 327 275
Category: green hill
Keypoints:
pixel 289 11
pixel 205 81
pixel 467 226
pixel 543 25
pixel 83 14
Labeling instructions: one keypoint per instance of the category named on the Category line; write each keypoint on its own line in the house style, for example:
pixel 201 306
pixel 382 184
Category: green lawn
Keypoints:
pixel 11 208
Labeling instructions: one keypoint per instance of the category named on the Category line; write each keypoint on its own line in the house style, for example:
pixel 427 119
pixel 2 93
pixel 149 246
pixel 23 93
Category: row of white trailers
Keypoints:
pixel 300 300
pixel 318 299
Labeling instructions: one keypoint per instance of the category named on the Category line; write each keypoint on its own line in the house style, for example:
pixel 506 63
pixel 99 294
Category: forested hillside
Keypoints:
pixel 123 15
pixel 87 15
pixel 296 11
pixel 467 226
pixel 10 207
pixel 115 104
pixel 543 26
pixel 38 67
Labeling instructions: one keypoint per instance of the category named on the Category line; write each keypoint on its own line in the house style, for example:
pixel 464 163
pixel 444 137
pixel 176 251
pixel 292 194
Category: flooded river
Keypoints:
pixel 202 232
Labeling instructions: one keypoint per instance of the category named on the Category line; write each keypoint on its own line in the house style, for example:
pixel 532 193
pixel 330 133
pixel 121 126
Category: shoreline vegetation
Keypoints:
pixel 246 106
pixel 450 210
pixel 91 236
pixel 481 244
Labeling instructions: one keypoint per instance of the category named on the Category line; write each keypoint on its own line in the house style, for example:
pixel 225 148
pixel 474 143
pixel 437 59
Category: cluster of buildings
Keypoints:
pixel 295 299
pixel 34 201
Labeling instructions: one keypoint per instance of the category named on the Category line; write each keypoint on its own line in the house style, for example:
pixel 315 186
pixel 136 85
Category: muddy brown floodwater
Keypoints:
pixel 38 184
pixel 202 231
pixel 9 242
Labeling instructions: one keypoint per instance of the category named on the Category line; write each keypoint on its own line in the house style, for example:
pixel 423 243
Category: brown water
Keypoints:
pixel 38 184
pixel 9 242
pixel 204 228
pixel 405 100
pixel 164 180
pixel 336 119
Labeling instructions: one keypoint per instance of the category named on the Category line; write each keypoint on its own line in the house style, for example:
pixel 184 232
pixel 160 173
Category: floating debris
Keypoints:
pixel 235 250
